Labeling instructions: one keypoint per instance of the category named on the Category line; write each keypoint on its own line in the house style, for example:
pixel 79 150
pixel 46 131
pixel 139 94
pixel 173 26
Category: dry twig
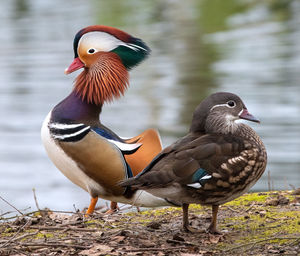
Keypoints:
pixel 11 205
pixel 55 244
pixel 64 228
pixel 155 249
pixel 35 200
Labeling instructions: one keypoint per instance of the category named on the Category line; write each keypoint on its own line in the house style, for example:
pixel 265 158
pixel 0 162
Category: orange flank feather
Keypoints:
pixel 104 80
pixel 151 146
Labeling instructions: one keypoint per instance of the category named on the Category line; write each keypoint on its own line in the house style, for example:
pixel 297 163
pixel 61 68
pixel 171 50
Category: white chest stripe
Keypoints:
pixel 64 136
pixel 60 126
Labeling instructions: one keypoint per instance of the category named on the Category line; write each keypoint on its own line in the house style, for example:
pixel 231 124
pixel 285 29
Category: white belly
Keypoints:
pixel 66 164
pixel 140 198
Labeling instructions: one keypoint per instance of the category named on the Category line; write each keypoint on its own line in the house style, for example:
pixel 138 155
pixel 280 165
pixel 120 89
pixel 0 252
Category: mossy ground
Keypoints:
pixel 255 224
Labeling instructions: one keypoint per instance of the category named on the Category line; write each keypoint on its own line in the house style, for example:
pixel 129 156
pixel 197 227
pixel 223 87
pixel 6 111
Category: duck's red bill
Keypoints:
pixel 75 65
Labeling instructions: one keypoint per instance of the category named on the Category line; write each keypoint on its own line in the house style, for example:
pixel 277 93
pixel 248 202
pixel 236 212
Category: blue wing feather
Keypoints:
pixel 199 178
pixel 105 134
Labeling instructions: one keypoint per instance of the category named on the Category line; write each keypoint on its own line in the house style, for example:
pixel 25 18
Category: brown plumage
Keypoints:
pixel 217 161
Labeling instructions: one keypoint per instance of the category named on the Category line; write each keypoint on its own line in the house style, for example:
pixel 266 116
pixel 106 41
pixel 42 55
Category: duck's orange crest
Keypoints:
pixel 105 80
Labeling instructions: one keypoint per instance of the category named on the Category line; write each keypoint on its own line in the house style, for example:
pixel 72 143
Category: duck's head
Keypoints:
pixel 219 112
pixel 106 54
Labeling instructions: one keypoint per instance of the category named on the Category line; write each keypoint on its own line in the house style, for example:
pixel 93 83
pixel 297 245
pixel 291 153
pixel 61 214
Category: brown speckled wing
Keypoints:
pixel 233 163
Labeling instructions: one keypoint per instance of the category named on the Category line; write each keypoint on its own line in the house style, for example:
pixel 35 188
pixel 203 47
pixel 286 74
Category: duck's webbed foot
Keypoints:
pixel 186 225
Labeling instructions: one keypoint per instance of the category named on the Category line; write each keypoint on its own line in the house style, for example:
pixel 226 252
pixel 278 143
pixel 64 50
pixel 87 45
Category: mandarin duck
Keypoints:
pixel 216 162
pixel 82 148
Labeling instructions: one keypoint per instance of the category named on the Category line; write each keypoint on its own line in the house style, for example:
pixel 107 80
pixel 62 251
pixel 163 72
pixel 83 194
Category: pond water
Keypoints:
pixel 251 48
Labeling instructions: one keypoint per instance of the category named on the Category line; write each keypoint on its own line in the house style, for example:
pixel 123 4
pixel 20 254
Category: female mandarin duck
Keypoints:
pixel 217 161
pixel 83 149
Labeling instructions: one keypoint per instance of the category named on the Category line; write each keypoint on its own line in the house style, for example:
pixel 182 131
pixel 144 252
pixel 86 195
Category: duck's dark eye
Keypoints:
pixel 231 103
pixel 91 50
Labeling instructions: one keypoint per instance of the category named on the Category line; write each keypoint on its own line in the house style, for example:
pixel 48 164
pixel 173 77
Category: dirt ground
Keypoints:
pixel 255 224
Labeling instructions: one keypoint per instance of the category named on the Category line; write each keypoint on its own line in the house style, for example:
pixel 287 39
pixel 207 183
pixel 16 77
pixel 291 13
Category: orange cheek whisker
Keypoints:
pixel 105 80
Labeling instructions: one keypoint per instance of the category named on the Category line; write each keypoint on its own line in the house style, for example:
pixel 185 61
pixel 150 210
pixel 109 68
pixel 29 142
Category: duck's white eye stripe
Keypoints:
pixel 137 46
pixel 219 105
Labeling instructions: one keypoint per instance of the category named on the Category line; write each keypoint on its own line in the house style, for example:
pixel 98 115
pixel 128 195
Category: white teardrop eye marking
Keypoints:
pixel 231 104
pixel 102 41
pixel 99 41
pixel 91 51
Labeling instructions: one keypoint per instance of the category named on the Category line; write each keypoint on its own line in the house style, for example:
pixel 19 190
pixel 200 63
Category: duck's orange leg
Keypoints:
pixel 92 205
pixel 113 207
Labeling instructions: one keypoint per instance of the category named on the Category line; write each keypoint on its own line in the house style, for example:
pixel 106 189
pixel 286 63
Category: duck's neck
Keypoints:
pixel 75 109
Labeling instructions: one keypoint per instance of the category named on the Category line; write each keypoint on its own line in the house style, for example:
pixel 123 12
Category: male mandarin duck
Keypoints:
pixel 216 162
pixel 82 148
